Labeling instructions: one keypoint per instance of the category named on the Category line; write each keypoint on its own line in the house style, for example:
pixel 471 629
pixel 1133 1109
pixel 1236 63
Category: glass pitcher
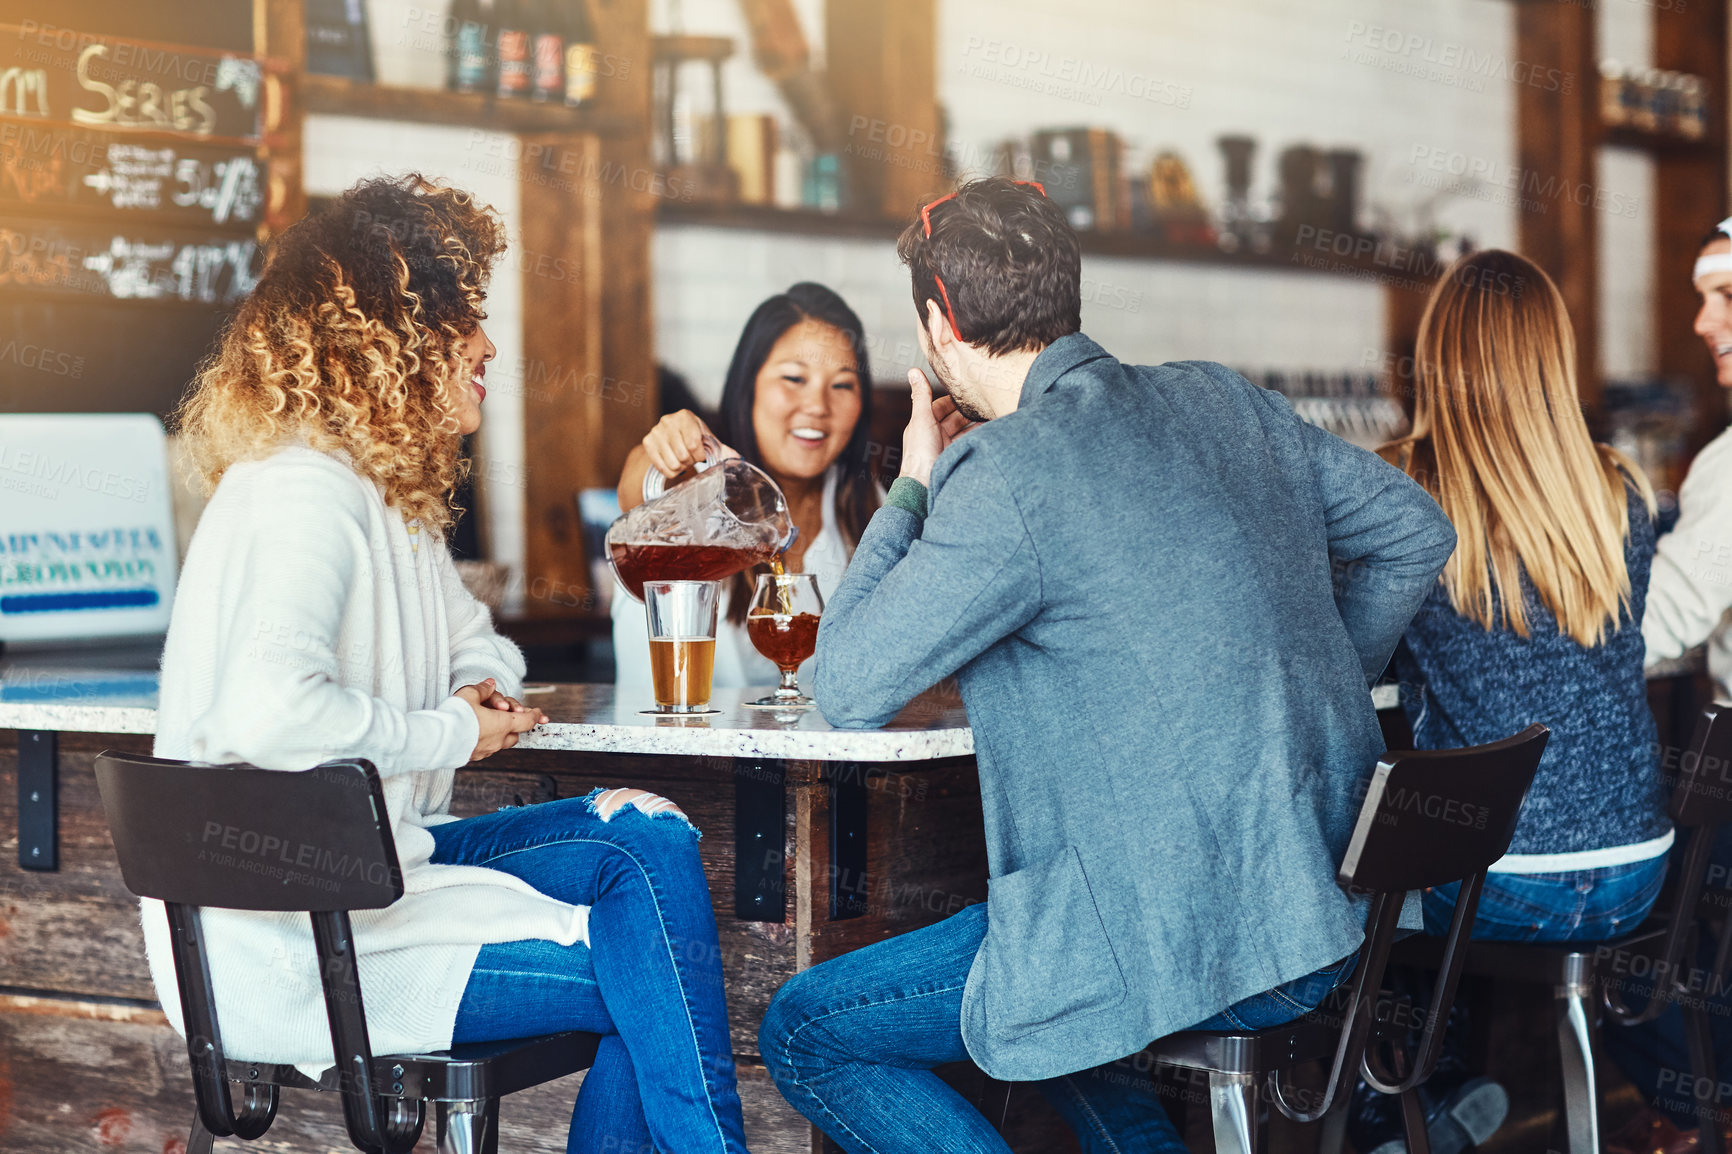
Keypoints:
pixel 728 518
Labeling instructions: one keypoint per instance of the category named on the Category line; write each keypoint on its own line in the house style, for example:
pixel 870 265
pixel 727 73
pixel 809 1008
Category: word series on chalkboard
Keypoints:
pixel 132 175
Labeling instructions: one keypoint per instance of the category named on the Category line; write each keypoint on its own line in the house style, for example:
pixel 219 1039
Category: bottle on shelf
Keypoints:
pixel 472 44
pixel 582 57
pixel 1693 109
pixel 1644 115
pixel 550 27
pixel 514 59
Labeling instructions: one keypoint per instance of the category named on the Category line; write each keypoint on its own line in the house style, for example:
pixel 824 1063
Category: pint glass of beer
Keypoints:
pixel 682 643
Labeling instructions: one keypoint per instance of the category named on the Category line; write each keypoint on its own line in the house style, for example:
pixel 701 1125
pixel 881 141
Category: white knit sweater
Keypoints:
pixel 1690 590
pixel 310 623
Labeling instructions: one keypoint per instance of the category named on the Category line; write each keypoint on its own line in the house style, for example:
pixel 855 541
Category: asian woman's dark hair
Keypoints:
pixel 856 491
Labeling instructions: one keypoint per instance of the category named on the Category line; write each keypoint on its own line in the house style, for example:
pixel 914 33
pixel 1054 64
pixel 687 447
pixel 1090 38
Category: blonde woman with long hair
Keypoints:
pixel 319 615
pixel 1537 617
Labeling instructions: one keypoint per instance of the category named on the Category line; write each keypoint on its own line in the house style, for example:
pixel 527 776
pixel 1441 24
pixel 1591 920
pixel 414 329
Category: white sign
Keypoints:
pixel 87 545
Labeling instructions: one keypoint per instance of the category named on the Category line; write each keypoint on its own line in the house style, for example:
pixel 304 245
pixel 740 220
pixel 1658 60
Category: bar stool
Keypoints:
pixel 1397 846
pixel 1583 974
pixel 161 814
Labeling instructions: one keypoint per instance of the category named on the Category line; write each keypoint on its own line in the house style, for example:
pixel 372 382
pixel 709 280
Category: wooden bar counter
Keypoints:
pixel 815 841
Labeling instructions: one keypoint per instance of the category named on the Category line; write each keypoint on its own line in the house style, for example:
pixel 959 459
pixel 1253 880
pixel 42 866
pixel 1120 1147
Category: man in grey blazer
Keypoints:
pixel 1163 596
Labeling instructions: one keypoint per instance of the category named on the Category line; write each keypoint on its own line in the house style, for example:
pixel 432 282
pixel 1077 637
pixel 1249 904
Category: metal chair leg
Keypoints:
pixel 1701 1047
pixel 1577 1001
pixel 1233 1104
pixel 468 1127
pixel 1332 1138
pixel 201 1139
pixel 1413 1124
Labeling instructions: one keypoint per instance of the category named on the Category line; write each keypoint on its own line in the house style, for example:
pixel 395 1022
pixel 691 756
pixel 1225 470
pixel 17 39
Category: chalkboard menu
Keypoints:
pixel 44 167
pixel 133 181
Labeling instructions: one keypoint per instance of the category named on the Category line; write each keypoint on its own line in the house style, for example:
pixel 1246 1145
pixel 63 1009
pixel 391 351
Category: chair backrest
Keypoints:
pixel 1700 805
pixel 1437 816
pixel 1430 817
pixel 243 838
pixel 240 837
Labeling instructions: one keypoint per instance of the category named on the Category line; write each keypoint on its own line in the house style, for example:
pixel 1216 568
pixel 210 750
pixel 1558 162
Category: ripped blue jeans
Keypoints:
pixel 650 981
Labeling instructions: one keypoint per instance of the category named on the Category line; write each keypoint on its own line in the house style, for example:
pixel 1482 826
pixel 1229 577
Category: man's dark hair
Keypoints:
pixel 1008 259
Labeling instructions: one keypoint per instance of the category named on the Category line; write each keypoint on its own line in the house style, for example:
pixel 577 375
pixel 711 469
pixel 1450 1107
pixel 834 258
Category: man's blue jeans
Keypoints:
pixel 852 1044
pixel 650 981
pixel 1574 906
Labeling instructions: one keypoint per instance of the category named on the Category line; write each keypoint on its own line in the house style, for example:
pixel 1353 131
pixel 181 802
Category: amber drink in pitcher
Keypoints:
pixel 726 519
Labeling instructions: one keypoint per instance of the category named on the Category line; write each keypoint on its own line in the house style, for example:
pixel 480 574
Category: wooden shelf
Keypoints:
pixel 340 96
pixel 1130 245
pixel 1653 142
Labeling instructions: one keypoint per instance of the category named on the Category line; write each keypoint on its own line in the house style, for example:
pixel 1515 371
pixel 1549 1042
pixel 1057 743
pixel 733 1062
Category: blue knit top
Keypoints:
pixel 1599 783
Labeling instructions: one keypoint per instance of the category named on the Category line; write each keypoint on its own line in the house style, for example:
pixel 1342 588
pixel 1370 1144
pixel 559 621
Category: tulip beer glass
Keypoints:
pixel 783 626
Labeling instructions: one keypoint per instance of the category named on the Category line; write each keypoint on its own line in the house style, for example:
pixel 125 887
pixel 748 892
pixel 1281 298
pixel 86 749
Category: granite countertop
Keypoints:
pixel 73 692
pixel 114 691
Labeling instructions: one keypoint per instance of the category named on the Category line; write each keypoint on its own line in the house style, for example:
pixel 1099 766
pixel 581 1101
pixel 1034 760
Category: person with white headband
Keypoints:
pixel 1690 592
pixel 1689 596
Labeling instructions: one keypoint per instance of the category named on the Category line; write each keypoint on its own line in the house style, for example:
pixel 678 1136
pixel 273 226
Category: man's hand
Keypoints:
pixel 677 443
pixel 501 718
pixel 932 426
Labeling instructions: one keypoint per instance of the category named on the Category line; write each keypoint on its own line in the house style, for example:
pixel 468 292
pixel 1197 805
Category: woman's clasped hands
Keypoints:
pixel 501 718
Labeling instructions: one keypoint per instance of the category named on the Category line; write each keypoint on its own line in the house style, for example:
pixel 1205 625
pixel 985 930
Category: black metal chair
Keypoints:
pixel 1701 805
pixel 1582 974
pixel 195 836
pixel 1429 818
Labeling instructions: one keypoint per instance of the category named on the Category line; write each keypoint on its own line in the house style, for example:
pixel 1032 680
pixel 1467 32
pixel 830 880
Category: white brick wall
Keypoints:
pixel 1163 76
pixel 1287 72
pixel 1324 72
pixel 708 280
pixel 1409 82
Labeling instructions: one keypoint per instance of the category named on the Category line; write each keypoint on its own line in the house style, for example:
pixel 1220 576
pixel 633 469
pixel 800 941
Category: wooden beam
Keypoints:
pixel 1690 195
pixel 564 396
pixel 280 35
pixel 628 199
pixel 882 63
pixel 1557 141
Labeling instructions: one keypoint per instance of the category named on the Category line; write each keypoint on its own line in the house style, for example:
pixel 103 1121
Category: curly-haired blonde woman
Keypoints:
pixel 319 615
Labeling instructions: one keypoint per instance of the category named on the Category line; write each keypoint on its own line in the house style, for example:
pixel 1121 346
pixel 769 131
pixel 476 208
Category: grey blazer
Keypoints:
pixel 1163 596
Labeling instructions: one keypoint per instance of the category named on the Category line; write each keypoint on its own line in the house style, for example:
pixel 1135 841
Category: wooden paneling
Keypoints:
pixel 564 403
pixel 73 931
pixel 1690 186
pixel 628 200
pixel 1557 137
pixel 1403 306
pixel 279 33
pixel 882 63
